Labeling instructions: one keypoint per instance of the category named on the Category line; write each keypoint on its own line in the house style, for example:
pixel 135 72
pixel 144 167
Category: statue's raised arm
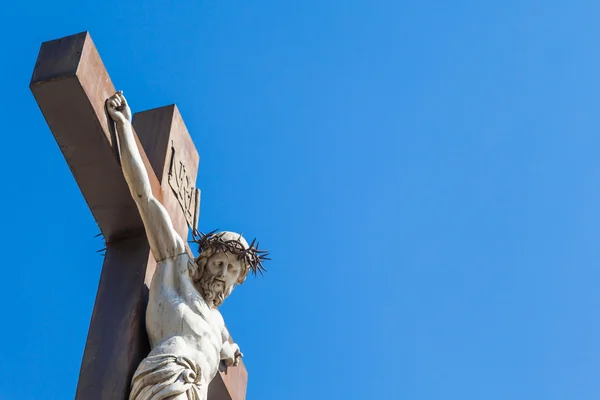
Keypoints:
pixel 164 241
pixel 186 331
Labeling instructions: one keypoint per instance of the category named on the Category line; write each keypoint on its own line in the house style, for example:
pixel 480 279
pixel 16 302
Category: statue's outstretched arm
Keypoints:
pixel 165 242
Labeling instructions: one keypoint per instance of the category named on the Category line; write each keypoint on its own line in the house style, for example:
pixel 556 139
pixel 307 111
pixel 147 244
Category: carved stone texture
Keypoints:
pixel 71 86
pixel 186 331
pixel 183 187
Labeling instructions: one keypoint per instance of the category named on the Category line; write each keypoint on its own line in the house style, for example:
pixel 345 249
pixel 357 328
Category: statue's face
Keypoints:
pixel 221 273
pixel 225 267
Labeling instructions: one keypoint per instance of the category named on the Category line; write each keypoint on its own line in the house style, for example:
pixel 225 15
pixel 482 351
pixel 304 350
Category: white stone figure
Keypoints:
pixel 186 331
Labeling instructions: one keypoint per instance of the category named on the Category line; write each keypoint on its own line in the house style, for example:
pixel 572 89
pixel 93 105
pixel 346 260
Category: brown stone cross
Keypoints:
pixel 71 85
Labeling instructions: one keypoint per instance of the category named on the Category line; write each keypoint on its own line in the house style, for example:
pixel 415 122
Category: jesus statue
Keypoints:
pixel 186 331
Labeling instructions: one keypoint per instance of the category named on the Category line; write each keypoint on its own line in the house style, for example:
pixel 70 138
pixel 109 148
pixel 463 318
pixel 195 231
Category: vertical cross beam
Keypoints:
pixel 109 361
pixel 71 85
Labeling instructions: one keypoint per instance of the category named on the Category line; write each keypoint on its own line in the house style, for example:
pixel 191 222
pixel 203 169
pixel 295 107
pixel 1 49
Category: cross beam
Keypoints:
pixel 71 85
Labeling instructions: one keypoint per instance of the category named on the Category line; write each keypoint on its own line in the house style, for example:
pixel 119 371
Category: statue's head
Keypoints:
pixel 225 260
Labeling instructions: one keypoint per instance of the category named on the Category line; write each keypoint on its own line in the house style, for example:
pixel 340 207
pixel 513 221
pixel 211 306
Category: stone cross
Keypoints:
pixel 71 85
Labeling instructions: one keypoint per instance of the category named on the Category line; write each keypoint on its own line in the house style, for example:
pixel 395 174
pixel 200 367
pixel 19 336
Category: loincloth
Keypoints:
pixel 165 375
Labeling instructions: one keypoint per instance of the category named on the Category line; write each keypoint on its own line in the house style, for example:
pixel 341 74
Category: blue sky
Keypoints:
pixel 425 174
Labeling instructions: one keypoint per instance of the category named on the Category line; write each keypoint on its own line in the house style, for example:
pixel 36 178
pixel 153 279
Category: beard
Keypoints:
pixel 213 290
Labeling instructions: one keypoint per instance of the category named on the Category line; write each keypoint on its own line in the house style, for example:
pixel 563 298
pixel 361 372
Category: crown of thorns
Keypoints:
pixel 252 256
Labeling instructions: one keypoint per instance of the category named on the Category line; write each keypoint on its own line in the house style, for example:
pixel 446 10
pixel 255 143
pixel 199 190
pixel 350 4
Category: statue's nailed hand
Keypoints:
pixel 118 109
pixel 237 356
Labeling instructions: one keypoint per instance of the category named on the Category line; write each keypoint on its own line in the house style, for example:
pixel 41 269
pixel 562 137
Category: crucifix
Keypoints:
pixel 138 181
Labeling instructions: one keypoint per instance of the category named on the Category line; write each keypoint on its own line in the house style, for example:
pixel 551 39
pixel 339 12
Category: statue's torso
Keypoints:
pixel 178 320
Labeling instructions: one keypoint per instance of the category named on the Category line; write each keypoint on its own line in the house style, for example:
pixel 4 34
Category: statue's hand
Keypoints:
pixel 118 109
pixel 236 356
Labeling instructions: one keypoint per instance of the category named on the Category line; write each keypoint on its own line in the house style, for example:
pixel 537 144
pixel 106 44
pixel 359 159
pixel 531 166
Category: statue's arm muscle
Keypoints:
pixel 226 350
pixel 164 241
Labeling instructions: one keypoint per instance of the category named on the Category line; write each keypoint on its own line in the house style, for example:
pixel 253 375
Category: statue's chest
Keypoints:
pixel 177 308
pixel 208 320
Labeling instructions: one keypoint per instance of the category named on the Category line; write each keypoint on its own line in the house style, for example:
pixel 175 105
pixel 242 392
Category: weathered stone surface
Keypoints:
pixel 71 86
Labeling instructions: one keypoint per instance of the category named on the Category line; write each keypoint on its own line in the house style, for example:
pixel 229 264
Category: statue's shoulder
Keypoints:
pixel 179 258
pixel 179 263
pixel 217 318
